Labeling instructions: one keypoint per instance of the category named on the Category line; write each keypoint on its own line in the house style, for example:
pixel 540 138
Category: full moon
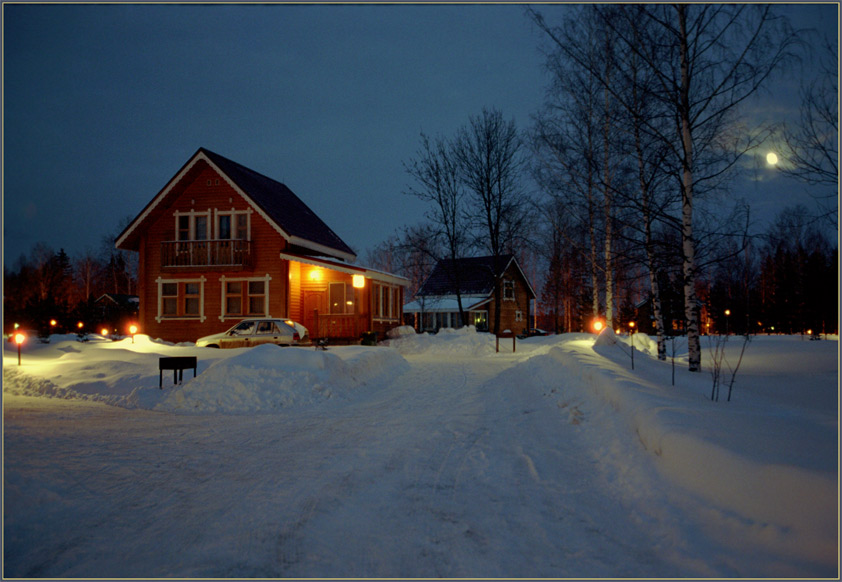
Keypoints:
pixel 771 158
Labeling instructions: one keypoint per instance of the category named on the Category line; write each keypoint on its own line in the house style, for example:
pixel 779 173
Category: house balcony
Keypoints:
pixel 225 253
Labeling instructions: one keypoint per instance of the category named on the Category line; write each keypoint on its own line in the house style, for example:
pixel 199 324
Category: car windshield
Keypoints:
pixel 244 328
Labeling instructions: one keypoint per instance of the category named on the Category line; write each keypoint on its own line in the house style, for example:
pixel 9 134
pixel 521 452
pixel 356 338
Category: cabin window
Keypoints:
pixel 247 296
pixel 225 227
pixel 232 225
pixel 234 298
pixel 191 299
pixel 169 298
pixel 201 228
pixel 386 302
pixel 341 298
pixel 183 228
pixel 480 320
pixel 191 225
pixel 257 296
pixel 181 299
pixel 508 290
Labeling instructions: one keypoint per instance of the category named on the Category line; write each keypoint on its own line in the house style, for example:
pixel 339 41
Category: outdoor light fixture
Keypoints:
pixel 315 275
pixel 80 325
pixel 19 339
pixel 53 323
pixel 597 325
pixel 358 281
pixel 133 330
pixel 104 332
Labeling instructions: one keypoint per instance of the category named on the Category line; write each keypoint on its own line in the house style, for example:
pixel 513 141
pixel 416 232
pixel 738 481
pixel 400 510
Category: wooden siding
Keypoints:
pixel 208 191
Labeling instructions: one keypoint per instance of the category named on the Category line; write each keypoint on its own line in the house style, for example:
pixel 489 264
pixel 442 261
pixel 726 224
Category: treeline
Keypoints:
pixel 51 292
pixel 635 154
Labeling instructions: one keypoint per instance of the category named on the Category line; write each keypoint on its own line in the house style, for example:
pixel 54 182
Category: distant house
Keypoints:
pixel 117 310
pixel 220 243
pixel 435 305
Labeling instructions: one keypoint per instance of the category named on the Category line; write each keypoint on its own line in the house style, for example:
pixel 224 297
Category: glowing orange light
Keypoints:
pixel 104 331
pixel 53 322
pixel 598 325
pixel 358 281
pixel 132 329
pixel 80 325
pixel 315 275
pixel 631 324
pixel 20 338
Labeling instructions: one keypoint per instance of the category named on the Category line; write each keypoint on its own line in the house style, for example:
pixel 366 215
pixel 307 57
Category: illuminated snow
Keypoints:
pixel 432 456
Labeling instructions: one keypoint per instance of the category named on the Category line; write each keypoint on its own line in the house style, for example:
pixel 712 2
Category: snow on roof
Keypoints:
pixel 444 304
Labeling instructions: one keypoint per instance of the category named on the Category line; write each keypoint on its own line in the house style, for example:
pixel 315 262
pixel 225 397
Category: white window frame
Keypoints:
pixel 201 315
pixel 386 299
pixel 192 214
pixel 508 284
pixel 245 295
pixel 233 213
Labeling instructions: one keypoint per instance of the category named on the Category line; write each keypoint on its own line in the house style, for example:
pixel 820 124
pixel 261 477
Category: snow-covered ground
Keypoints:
pixel 433 456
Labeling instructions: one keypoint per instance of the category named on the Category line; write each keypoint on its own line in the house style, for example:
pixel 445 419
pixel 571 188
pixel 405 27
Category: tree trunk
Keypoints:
pixel 688 246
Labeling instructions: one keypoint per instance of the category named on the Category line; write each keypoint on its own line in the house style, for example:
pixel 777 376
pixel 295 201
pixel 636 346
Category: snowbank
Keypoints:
pixel 261 379
pixel 738 457
pixel 450 343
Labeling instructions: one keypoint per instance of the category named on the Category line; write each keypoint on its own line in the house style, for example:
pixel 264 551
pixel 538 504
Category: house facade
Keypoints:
pixel 435 305
pixel 221 243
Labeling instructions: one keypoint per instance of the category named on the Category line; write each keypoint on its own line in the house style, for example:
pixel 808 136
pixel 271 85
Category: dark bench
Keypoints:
pixel 177 364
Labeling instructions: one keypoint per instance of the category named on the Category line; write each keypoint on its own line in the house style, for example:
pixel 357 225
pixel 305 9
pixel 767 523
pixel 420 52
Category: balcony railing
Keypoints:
pixel 206 253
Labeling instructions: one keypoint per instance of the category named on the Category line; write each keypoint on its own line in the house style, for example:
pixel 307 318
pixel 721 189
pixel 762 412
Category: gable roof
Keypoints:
pixel 475 275
pixel 274 201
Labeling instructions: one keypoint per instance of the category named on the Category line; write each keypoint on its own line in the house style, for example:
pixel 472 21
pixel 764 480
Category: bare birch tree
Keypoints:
pixel 489 153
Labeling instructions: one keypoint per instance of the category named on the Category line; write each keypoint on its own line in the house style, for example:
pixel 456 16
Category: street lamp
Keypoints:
pixel 20 337
pixel 597 325
pixel 132 330
pixel 727 313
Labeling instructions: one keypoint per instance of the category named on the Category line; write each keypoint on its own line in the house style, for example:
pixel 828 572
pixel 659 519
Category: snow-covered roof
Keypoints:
pixel 444 304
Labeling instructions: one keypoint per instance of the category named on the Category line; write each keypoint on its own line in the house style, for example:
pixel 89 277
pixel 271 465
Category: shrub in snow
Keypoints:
pixel 401 331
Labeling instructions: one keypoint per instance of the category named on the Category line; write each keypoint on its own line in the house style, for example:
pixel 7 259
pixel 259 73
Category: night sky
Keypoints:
pixel 104 104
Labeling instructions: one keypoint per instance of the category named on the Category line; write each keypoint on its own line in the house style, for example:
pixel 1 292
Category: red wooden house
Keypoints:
pixel 221 243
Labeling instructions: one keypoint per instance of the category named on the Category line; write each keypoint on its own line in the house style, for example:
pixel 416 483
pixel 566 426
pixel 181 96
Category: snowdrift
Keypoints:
pixel 449 343
pixel 739 458
pixel 251 380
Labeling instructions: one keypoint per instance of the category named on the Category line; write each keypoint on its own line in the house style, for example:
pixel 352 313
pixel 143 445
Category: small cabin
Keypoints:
pixel 435 305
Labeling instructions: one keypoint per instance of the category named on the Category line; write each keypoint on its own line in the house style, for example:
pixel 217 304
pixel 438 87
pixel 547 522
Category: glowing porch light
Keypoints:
pixel 358 281
pixel 316 275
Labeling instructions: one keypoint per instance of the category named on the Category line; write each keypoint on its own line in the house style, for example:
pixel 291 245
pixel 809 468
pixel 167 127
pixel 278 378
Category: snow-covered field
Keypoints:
pixel 433 456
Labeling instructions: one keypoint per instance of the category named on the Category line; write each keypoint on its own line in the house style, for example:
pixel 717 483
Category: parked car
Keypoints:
pixel 253 332
pixel 533 332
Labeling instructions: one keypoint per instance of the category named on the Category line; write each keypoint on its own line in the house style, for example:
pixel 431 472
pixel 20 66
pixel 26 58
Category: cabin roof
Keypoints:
pixel 279 205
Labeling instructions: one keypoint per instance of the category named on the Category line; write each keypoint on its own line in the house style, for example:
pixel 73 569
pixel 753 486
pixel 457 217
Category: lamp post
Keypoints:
pixel 727 313
pixel 133 330
pixel 19 339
